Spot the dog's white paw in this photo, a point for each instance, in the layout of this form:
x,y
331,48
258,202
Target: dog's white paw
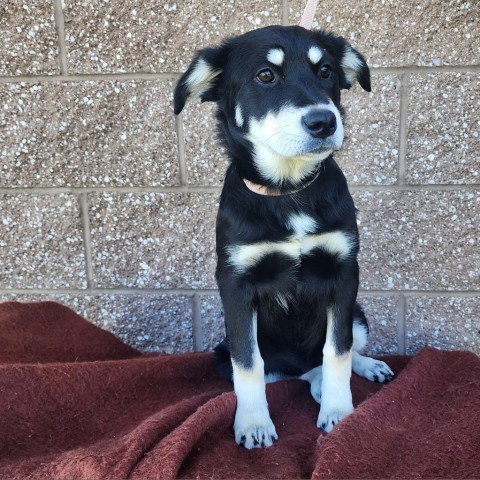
x,y
327,420
254,429
329,417
371,369
336,404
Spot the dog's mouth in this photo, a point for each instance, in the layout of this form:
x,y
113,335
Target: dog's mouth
x,y
321,149
324,149
312,148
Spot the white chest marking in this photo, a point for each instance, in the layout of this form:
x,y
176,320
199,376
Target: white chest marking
x,y
337,243
243,257
301,224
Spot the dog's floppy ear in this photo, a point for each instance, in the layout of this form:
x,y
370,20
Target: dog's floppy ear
x,y
201,80
355,68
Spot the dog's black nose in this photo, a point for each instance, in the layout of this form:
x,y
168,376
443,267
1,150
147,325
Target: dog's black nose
x,y
320,123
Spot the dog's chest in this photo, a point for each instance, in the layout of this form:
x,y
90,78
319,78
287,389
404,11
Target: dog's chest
x,y
303,241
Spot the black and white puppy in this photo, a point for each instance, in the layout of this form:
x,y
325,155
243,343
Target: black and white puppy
x,y
287,237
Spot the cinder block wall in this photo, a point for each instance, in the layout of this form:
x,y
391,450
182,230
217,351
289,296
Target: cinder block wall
x,y
107,202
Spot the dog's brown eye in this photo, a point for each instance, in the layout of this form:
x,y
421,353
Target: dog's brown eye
x,y
325,71
266,76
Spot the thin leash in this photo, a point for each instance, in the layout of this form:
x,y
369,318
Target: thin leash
x,y
307,18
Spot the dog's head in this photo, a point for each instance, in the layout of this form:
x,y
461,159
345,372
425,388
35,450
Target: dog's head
x,y
278,93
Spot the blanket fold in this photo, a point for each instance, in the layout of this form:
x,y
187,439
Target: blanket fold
x,y
77,403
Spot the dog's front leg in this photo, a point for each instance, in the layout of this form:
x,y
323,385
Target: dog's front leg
x,y
336,401
253,426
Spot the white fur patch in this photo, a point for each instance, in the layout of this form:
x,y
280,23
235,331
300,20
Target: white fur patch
x,y
243,257
200,78
276,56
276,167
301,224
336,373
351,65
336,243
314,55
283,150
239,120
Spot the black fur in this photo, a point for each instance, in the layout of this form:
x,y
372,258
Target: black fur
x,y
290,339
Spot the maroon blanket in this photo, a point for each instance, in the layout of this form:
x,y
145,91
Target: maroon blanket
x,y
75,402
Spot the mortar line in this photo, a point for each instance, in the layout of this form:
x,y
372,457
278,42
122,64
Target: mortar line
x,y
402,133
60,27
183,172
425,69
422,293
89,77
214,291
198,342
217,189
133,291
174,76
401,329
113,189
87,239
417,188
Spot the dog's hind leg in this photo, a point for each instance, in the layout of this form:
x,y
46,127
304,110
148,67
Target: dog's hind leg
x,y
369,368
314,378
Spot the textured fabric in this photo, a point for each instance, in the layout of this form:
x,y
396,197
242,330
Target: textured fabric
x,y
76,402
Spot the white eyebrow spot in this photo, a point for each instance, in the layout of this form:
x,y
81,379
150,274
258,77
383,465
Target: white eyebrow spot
x,y
314,55
276,56
239,116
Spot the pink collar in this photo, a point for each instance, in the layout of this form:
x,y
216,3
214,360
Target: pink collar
x,y
272,192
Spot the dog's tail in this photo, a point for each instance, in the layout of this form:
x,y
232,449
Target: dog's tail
x,y
222,359
359,316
